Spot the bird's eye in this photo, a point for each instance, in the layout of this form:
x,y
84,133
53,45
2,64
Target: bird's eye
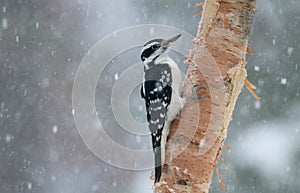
x,y
154,47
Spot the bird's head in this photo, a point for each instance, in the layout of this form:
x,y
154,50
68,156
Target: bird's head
x,y
155,48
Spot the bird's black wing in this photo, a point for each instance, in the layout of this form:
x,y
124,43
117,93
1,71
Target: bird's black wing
x,y
157,93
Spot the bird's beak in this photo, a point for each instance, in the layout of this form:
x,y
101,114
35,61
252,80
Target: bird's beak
x,y
167,43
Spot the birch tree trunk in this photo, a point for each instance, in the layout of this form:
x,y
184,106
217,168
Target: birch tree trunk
x,y
217,69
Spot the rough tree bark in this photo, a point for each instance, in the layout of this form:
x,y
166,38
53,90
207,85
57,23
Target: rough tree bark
x,y
217,63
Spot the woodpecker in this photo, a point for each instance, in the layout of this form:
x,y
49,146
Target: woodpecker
x,y
161,91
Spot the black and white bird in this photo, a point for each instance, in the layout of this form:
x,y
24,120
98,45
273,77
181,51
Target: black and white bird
x,y
161,91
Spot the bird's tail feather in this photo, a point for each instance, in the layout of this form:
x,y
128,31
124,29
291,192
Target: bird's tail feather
x,y
158,168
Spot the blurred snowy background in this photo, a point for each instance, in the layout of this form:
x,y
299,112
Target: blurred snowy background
x,y
41,46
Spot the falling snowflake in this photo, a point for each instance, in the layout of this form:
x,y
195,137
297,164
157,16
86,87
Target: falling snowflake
x,y
29,186
8,138
116,77
283,81
290,51
55,129
256,68
4,23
